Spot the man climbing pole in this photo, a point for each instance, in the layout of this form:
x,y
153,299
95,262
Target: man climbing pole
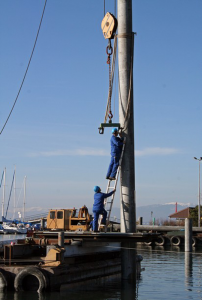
x,y
98,206
116,147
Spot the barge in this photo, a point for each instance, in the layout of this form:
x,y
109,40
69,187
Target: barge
x,y
49,260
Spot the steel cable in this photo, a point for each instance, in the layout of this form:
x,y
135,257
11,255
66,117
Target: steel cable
x,y
26,69
111,80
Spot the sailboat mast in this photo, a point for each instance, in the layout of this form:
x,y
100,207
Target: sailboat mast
x,y
4,192
14,200
24,198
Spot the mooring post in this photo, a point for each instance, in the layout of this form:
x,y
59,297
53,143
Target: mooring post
x,y
140,220
188,235
42,223
61,239
126,118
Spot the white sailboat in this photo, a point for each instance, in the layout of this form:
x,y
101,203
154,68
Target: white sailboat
x,y
13,226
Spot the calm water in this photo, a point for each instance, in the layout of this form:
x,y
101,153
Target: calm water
x,y
169,273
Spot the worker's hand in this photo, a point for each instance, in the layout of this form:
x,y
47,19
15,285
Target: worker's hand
x,y
124,142
114,190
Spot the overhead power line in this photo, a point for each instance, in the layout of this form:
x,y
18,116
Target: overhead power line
x,y
26,69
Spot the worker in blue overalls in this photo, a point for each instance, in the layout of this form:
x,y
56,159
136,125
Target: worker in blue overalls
x,y
98,207
116,147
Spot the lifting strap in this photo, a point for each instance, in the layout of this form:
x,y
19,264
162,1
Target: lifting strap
x,y
108,203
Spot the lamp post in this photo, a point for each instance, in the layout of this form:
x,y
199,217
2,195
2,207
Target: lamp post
x,y
199,201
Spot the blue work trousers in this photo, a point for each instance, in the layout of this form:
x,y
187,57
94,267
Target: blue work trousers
x,y
96,217
113,166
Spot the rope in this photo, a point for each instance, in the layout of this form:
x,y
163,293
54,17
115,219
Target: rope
x,y
127,35
114,112
26,69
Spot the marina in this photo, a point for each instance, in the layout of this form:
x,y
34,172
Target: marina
x,y
76,251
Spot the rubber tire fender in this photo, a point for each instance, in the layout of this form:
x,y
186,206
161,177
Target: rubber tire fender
x,y
148,243
194,241
31,271
160,241
4,279
178,240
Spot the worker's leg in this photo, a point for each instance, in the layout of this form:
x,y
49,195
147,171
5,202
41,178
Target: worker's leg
x,y
115,166
104,213
95,221
110,167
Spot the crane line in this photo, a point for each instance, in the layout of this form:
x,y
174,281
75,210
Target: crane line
x,y
26,70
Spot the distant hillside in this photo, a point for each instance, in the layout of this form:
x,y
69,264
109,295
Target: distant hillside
x,y
159,211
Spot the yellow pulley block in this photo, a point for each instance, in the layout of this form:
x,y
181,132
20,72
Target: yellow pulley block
x,y
109,25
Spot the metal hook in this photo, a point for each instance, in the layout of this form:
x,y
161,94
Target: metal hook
x,y
101,130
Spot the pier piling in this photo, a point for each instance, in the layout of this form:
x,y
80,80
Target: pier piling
x,y
126,119
188,235
61,239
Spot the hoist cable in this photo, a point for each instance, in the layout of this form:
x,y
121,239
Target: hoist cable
x,y
115,62
112,78
26,69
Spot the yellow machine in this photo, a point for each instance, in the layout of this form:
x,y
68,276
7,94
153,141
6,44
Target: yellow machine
x,y
69,219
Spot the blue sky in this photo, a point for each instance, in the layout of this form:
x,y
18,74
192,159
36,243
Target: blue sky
x,y
52,135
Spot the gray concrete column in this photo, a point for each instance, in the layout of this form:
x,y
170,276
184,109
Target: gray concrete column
x,y
188,235
127,175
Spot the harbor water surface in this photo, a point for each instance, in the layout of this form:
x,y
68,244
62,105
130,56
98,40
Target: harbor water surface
x,y
167,273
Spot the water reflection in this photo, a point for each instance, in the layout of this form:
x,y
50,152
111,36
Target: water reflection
x,y
102,288
170,273
188,271
128,290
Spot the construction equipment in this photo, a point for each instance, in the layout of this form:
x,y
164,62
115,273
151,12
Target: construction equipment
x,y
108,203
69,219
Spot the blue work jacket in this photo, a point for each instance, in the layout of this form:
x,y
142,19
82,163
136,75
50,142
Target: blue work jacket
x,y
116,145
99,200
